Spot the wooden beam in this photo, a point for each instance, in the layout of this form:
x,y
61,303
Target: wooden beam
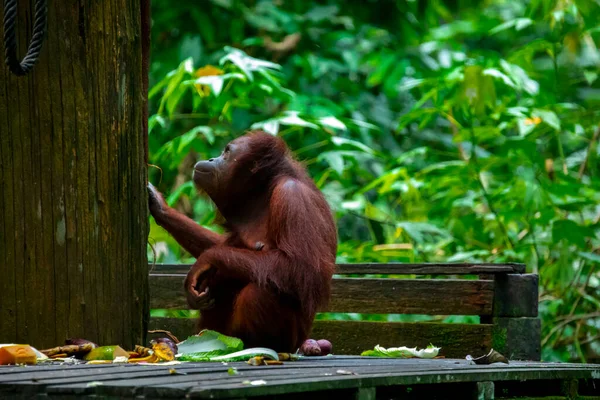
x,y
354,337
370,296
389,268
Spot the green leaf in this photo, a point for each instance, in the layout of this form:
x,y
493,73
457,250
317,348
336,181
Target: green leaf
x,y
481,133
385,179
590,76
270,126
456,164
214,81
158,87
245,355
173,198
549,117
155,119
246,63
176,149
174,99
499,75
518,24
208,344
175,80
520,77
410,83
339,141
421,231
381,70
525,126
292,118
206,131
334,159
571,232
593,257
333,122
320,13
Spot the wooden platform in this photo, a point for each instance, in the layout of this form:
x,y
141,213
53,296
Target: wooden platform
x,y
315,378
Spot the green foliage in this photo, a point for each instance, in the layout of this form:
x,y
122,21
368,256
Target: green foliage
x,y
439,131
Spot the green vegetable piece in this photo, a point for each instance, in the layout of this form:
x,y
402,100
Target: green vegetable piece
x,y
106,353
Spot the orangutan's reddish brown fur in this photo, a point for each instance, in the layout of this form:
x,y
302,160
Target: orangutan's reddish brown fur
x,y
263,281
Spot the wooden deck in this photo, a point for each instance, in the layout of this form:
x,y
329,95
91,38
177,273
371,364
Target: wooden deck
x,y
319,377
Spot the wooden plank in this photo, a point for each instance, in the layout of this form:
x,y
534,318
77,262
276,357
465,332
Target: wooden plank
x,y
168,385
127,378
412,296
394,296
389,268
124,372
354,337
13,372
158,381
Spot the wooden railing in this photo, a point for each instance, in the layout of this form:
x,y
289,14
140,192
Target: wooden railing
x,y
503,296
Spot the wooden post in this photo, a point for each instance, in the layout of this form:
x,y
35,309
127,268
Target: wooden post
x,y
73,201
517,327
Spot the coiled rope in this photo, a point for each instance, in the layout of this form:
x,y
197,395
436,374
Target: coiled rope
x,y
17,67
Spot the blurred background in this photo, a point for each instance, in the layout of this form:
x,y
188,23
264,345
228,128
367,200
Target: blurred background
x,y
439,131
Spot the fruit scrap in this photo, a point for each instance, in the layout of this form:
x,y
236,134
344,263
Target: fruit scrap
x,y
325,346
287,357
163,349
312,347
152,358
17,354
140,351
69,350
260,360
106,353
490,358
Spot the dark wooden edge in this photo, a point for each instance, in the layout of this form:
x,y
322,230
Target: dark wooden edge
x,y
518,338
388,268
516,295
331,384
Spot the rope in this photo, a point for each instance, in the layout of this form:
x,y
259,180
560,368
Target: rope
x,y
10,38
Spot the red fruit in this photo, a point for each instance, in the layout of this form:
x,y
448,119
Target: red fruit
x,y
325,346
310,347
